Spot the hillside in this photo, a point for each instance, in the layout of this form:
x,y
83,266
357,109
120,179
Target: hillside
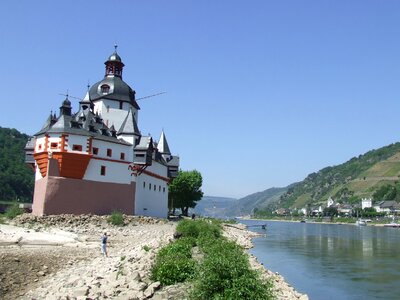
x,y
219,207
363,176
16,179
215,207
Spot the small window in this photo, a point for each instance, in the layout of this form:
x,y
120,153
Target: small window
x,y
149,186
109,152
105,89
77,147
103,171
155,187
144,184
40,147
95,150
159,188
122,156
139,155
54,145
121,104
108,108
163,189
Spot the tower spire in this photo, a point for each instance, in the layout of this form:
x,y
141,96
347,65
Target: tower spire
x,y
114,64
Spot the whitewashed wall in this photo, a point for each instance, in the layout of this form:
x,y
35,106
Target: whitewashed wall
x,y
150,201
116,169
109,111
76,140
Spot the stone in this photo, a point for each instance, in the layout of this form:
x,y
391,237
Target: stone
x,y
151,289
83,291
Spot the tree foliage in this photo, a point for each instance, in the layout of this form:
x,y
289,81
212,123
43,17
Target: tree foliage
x,y
16,179
387,192
185,191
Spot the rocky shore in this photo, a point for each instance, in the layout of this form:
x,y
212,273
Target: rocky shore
x,y
59,257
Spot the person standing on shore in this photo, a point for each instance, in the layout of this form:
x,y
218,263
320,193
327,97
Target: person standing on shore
x,y
104,244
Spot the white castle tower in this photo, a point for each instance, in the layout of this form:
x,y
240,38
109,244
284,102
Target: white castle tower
x,y
96,160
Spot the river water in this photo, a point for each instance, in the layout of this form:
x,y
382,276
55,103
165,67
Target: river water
x,y
328,261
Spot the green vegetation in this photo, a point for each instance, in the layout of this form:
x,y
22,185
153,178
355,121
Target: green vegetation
x,y
185,191
116,218
360,177
221,271
16,179
174,263
13,210
388,192
146,248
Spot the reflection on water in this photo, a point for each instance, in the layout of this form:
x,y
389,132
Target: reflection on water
x,y
333,261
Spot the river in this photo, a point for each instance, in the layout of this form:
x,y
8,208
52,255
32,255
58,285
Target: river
x,y
329,261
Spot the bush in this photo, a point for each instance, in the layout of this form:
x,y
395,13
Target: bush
x,y
13,210
223,272
116,218
174,263
226,274
193,228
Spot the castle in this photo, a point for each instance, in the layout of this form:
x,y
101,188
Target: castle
x,y
96,160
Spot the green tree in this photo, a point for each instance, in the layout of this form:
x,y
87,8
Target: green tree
x,y
185,191
16,179
330,211
385,192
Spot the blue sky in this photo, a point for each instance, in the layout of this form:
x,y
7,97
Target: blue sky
x,y
259,93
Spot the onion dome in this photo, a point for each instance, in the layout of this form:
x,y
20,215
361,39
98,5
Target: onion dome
x,y
112,86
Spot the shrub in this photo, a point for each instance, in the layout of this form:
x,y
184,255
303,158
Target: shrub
x,y
224,271
174,263
193,228
226,274
116,218
146,248
13,210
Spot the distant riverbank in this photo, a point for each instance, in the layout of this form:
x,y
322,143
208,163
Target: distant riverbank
x,y
311,221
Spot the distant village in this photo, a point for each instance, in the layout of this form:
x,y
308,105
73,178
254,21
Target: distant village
x,y
367,205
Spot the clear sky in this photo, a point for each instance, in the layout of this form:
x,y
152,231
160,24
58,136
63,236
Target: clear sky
x,y
259,93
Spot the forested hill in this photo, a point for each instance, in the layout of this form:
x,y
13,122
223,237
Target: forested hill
x,y
16,179
375,173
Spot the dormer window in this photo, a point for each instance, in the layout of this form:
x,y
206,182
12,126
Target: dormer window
x,y
105,89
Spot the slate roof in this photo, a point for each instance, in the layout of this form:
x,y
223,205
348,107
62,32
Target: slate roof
x,y
162,145
84,122
145,142
129,125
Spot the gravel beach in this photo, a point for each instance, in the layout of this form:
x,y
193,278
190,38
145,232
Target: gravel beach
x,y
59,257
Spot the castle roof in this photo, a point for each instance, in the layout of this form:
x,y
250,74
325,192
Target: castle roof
x,y
84,122
112,86
129,125
162,145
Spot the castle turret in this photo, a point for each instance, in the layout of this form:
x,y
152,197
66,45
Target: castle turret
x,y
112,97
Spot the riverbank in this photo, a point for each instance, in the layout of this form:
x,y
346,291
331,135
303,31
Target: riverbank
x,y
313,222
243,237
56,257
